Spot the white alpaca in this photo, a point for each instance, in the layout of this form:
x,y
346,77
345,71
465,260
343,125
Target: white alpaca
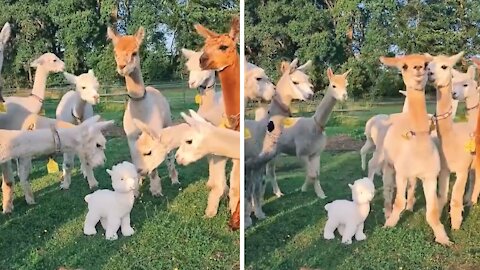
x,y
74,107
306,138
112,208
84,138
203,138
257,84
348,217
4,36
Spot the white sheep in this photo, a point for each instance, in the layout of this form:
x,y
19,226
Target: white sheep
x,y
112,208
348,217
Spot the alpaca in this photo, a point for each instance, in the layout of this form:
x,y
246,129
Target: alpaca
x,y
476,188
306,138
4,36
452,138
74,107
348,217
203,138
257,84
112,208
85,138
145,104
408,151
220,53
260,145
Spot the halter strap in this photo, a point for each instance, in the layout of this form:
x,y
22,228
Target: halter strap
x,y
36,97
56,139
443,116
138,98
471,108
203,87
282,106
78,119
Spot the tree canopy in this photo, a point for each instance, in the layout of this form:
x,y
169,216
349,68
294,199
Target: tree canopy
x,y
76,32
353,34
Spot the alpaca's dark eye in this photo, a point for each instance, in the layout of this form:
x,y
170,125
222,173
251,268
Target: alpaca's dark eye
x,y
444,67
259,79
189,141
294,82
134,54
223,47
148,154
334,86
54,60
426,65
83,87
121,179
465,85
405,67
99,145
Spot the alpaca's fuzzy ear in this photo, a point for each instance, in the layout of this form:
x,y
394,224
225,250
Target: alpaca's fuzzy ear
x,y
293,64
455,58
37,62
197,117
305,66
205,32
285,67
112,34
188,119
235,29
90,71
187,53
392,61
140,35
350,186
109,172
70,77
346,73
403,92
5,33
145,129
329,73
103,125
471,72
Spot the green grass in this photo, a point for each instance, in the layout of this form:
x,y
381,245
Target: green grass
x,y
171,232
291,237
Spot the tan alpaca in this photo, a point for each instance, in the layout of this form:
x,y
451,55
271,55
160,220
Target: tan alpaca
x,y
145,104
408,151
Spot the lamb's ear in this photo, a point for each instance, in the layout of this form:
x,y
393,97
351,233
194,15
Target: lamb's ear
x,y
5,33
330,73
109,172
471,72
140,35
350,186
305,66
455,58
205,32
112,34
70,77
90,71
235,29
187,53
145,129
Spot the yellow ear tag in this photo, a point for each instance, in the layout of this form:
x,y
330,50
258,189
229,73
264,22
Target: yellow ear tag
x,y
198,99
470,146
3,108
407,135
246,133
289,122
52,166
224,123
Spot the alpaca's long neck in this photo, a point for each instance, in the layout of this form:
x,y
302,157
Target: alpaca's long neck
x,y
40,82
405,105
208,96
280,104
444,110
471,103
324,110
79,107
230,80
417,112
17,144
134,82
224,142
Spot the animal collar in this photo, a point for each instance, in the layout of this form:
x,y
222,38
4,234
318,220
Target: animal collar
x,y
282,105
138,98
234,121
37,97
203,87
321,128
78,119
443,116
56,139
471,108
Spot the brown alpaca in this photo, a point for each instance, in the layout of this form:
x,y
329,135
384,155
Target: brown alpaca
x,y
220,53
476,187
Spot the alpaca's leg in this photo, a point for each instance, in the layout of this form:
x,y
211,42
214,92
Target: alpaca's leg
x,y
314,171
155,184
258,191
400,201
366,148
456,203
412,184
127,230
388,178
113,223
24,169
348,233
469,189
433,211
91,221
341,229
359,234
234,192
211,170
172,171
443,186
308,180
373,165
87,172
7,186
103,221
330,226
218,182
272,177
476,188
68,159
247,200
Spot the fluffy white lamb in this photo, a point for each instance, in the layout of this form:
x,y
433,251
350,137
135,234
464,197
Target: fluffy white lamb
x,y
112,208
348,216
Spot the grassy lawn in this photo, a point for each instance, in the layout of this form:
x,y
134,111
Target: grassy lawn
x,y
171,232
291,237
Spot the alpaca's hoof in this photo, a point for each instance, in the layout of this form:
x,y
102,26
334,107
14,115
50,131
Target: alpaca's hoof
x,y
391,222
156,193
409,207
279,194
93,185
260,215
444,240
322,196
112,237
456,223
347,241
210,213
89,231
329,236
8,209
64,186
128,231
30,200
175,182
304,188
360,237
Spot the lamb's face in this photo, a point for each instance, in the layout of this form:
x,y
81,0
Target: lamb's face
x,y
124,177
363,191
49,62
257,83
190,149
151,152
338,85
197,76
440,69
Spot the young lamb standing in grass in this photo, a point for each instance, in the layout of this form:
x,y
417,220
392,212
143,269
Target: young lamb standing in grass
x,y
75,107
408,150
112,208
145,104
306,138
348,217
84,139
4,36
